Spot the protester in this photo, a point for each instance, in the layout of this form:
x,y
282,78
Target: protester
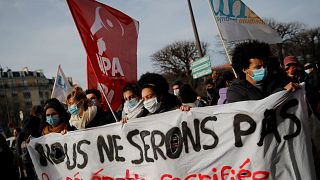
x,y
313,87
215,75
30,129
212,92
55,118
176,88
7,167
223,82
154,92
94,95
248,60
291,66
133,103
188,96
83,113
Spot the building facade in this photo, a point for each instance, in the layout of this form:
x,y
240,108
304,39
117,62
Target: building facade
x,y
19,91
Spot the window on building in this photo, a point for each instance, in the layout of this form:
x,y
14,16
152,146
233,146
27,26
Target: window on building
x,y
41,94
28,105
2,93
26,95
14,93
47,95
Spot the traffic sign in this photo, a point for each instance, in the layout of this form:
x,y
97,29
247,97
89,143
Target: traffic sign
x,y
201,67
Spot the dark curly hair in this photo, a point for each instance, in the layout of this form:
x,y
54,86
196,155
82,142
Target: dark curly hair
x,y
187,94
161,84
245,51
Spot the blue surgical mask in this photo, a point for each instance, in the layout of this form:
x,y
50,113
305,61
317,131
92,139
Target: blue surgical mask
x,y
73,109
53,120
94,102
258,74
131,103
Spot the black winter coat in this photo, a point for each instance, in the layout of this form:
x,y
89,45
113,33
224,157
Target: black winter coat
x,y
101,118
242,90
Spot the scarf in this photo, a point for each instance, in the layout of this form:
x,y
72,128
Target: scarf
x,y
87,116
54,129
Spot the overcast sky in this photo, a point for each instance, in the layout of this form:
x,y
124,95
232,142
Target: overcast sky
x,y
41,34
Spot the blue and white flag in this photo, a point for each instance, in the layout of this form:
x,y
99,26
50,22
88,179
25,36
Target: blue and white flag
x,y
61,86
237,22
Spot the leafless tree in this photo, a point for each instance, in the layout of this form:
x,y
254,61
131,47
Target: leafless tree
x,y
174,59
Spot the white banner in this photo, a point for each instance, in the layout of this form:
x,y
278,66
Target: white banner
x,y
265,139
61,86
236,22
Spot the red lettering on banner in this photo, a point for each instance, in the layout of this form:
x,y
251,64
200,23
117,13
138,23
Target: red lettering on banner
x,y
190,176
226,172
165,175
74,177
264,174
45,175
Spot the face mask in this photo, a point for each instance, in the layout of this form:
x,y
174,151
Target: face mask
x,y
210,90
52,120
131,103
94,102
152,105
176,92
74,110
258,74
307,71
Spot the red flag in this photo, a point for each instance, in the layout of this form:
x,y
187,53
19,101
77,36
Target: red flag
x,y
110,39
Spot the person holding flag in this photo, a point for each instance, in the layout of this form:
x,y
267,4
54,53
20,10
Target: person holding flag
x,y
83,113
94,95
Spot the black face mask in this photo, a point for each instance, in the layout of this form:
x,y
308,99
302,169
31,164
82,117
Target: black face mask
x,y
210,90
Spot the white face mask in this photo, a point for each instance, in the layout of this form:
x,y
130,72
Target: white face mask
x,y
307,71
176,92
152,105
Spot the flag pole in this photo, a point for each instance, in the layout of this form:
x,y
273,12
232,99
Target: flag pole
x,y
103,93
195,31
224,46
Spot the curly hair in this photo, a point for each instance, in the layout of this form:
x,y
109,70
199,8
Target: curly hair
x,y
245,51
187,94
80,96
161,84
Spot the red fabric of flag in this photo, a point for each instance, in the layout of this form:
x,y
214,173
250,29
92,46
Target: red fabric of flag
x,y
110,39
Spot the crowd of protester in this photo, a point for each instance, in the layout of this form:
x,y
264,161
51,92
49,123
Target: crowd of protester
x,y
258,73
